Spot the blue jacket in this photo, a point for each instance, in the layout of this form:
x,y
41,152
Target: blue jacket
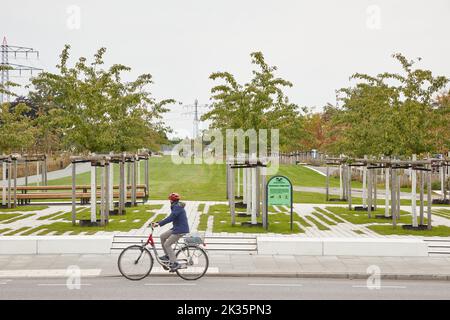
x,y
178,218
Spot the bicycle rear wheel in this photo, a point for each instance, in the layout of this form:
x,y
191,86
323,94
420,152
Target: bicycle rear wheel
x,y
135,262
194,262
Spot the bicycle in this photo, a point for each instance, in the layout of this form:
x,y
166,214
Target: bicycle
x,y
136,261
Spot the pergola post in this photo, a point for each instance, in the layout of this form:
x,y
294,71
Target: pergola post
x,y
386,195
349,188
429,199
398,196
341,186
258,190
227,176
110,183
133,182
26,172
42,172
249,191
126,167
264,200
4,183
254,198
374,187
422,186
122,186
364,191
393,200
244,185
9,182
102,193
37,173
74,207
444,179
231,199
147,177
138,164
93,193
369,192
327,184
238,185
45,170
414,193
128,175
15,183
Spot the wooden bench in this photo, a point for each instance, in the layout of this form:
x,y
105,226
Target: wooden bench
x,y
27,193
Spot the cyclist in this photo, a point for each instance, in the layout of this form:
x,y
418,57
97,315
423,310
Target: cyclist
x,y
180,228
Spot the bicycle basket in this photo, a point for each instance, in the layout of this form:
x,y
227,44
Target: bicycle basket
x,y
194,239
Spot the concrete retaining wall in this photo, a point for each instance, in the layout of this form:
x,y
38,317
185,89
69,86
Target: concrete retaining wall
x,y
343,246
56,245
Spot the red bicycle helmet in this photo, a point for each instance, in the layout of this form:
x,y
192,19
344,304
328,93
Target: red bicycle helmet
x,y
174,197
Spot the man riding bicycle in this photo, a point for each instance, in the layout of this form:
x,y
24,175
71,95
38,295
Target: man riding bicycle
x,y
180,228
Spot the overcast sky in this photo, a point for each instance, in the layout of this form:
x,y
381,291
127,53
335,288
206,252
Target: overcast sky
x,y
316,44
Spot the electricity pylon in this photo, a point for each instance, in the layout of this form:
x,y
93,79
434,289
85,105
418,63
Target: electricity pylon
x,y
196,113
13,52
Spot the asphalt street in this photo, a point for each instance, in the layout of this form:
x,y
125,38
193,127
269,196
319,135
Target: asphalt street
x,y
224,288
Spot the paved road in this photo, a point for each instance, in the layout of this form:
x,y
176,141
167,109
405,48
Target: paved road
x,y
220,288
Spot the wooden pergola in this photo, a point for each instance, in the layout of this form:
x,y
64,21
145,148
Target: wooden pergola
x,y
421,172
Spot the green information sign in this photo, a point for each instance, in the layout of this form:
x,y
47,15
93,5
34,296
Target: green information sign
x,y
279,193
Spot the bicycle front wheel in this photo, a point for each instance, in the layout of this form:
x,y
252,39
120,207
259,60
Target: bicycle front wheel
x,y
194,262
135,262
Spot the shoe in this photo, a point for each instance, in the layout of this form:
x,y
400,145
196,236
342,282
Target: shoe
x,y
164,258
174,266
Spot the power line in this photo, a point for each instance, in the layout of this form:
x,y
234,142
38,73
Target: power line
x,y
16,53
196,113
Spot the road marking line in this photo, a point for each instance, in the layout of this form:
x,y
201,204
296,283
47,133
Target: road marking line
x,y
381,287
46,273
62,284
170,284
276,284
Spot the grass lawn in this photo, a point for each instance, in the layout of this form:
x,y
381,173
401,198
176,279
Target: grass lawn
x,y
329,215
7,216
3,230
24,208
437,231
14,232
131,220
20,217
360,217
50,216
208,182
316,222
278,222
443,213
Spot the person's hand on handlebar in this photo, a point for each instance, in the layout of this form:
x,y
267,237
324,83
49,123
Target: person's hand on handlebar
x,y
154,224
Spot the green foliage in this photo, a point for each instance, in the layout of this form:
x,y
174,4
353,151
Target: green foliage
x,y
16,130
390,114
258,104
95,110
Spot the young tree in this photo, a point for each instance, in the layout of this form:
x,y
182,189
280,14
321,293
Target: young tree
x,y
17,133
95,110
390,113
258,104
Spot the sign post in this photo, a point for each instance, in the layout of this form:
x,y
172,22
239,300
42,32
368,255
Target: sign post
x,y
278,193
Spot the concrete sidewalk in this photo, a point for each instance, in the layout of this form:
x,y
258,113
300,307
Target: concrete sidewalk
x,y
239,265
